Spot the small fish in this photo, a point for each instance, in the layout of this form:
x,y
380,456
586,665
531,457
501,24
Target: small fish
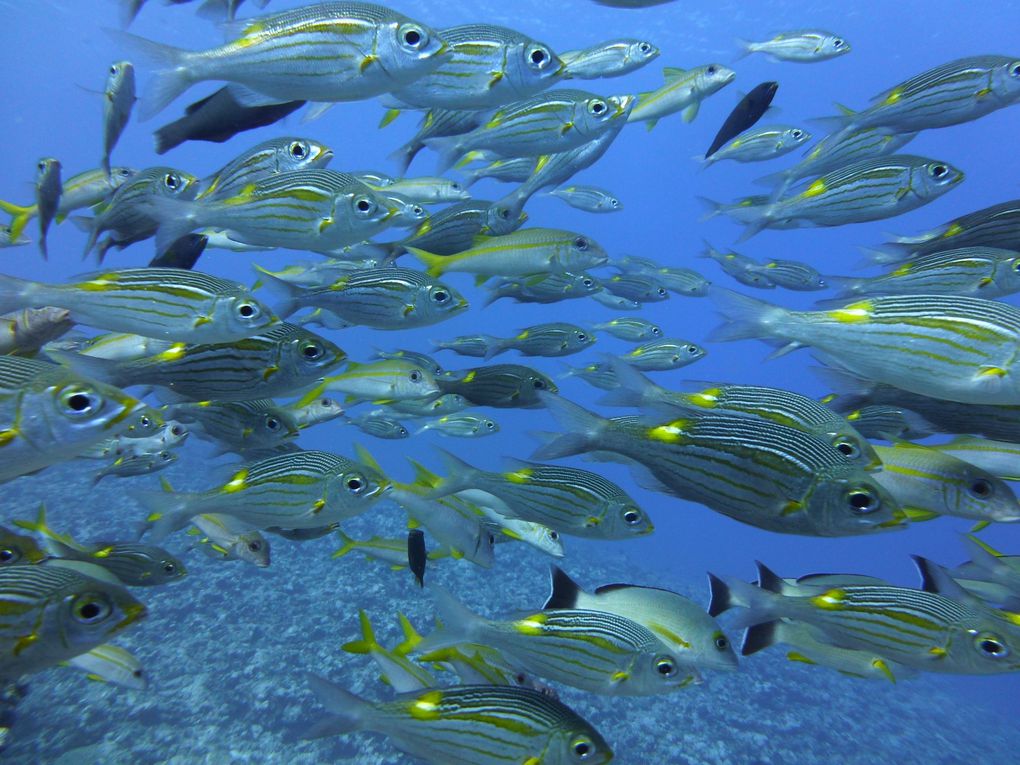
x,y
615,302
548,123
663,355
130,465
134,565
995,226
745,114
525,252
693,636
19,549
269,57
588,198
683,91
382,298
194,307
439,724
57,614
634,328
551,339
599,374
613,58
239,426
545,288
118,101
791,274
25,332
429,190
9,239
272,157
48,189
380,427
501,386
297,490
437,123
228,538
417,555
802,46
506,529
1000,458
591,650
448,403
867,339
461,426
636,287
757,144
218,118
112,664
389,380
457,227
742,268
415,357
681,281
322,409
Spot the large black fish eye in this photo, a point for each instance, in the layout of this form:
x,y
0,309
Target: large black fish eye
x,y
272,423
722,642
645,48
711,69
169,568
7,555
863,502
539,384
538,56
412,37
504,213
797,133
661,292
837,43
166,456
847,449
298,150
80,402
692,349
113,69
440,296
581,243
42,165
598,107
144,421
665,666
582,748
247,310
581,337
656,331
631,517
1015,70
312,351
171,181
591,282
980,488
415,376
90,608
939,171
364,204
178,430
490,425
355,485
992,646
255,546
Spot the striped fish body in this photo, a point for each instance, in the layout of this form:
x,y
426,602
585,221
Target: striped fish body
x,y
501,386
437,123
546,288
450,403
630,328
844,148
384,298
118,100
551,340
567,499
930,480
923,630
985,272
380,427
995,226
525,252
284,359
761,143
317,210
462,426
613,58
226,537
332,51
52,614
388,380
455,228
810,646
277,155
871,189
112,664
297,490
127,213
48,414
955,92
1000,458
663,355
487,67
469,725
549,123
598,374
588,198
170,303
791,274
240,426
741,267
802,46
682,281
130,465
682,90
640,288
954,348
135,565
511,170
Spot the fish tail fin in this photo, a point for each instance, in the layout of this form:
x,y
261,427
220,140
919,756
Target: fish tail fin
x,y
168,512
348,712
634,389
711,208
459,622
405,155
170,136
981,553
459,476
177,218
368,642
745,48
758,603
423,477
347,544
57,545
745,316
411,636
564,590
21,217
171,77
450,151
290,293
583,429
435,265
759,637
214,10
12,292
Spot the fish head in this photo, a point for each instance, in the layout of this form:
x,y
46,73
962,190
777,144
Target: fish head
x,y
711,78
581,252
854,447
795,136
144,423
311,355
164,568
502,219
641,52
530,67
833,45
356,487
846,500
934,178
1006,80
409,380
623,514
407,49
443,300
251,547
93,612
572,740
409,213
119,75
660,671
17,548
238,313
170,183
301,154
71,407
580,339
975,493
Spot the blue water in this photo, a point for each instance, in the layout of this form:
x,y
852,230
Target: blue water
x,y
226,649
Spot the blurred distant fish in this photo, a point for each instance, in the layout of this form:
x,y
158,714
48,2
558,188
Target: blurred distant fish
x,y
791,274
634,329
995,226
804,46
613,58
744,115
417,555
549,339
663,354
637,287
588,198
461,426
118,100
112,664
224,536
501,386
683,91
545,288
380,427
632,3
759,144
48,189
680,281
23,333
218,118
131,465
742,268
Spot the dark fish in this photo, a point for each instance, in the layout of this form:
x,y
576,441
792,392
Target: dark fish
x,y
47,197
632,3
744,115
184,253
417,555
502,386
217,118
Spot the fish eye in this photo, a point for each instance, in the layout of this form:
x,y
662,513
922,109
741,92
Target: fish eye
x,y
597,107
837,43
247,311
581,337
796,132
177,430
539,57
538,384
355,484
312,351
581,243
455,186
582,748
631,517
125,172
172,181
91,608
7,555
364,205
272,423
665,666
415,376
255,546
692,349
614,203
645,48
440,296
403,432
169,568
78,402
661,292
711,69
504,213
113,69
144,421
847,449
990,645
939,171
656,331
418,211
42,164
413,37
554,535
1015,70
298,150
490,425
591,282
166,456
980,488
721,642
863,502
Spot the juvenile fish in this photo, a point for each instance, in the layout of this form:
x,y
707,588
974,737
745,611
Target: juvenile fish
x,y
801,46
118,101
130,465
683,91
742,268
272,157
112,664
546,288
461,426
239,426
680,281
588,198
995,226
502,386
456,228
663,355
48,189
791,274
635,287
226,537
758,144
380,427
630,328
550,340
613,58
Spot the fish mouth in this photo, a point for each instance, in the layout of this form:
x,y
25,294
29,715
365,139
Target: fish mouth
x,y
132,613
623,105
